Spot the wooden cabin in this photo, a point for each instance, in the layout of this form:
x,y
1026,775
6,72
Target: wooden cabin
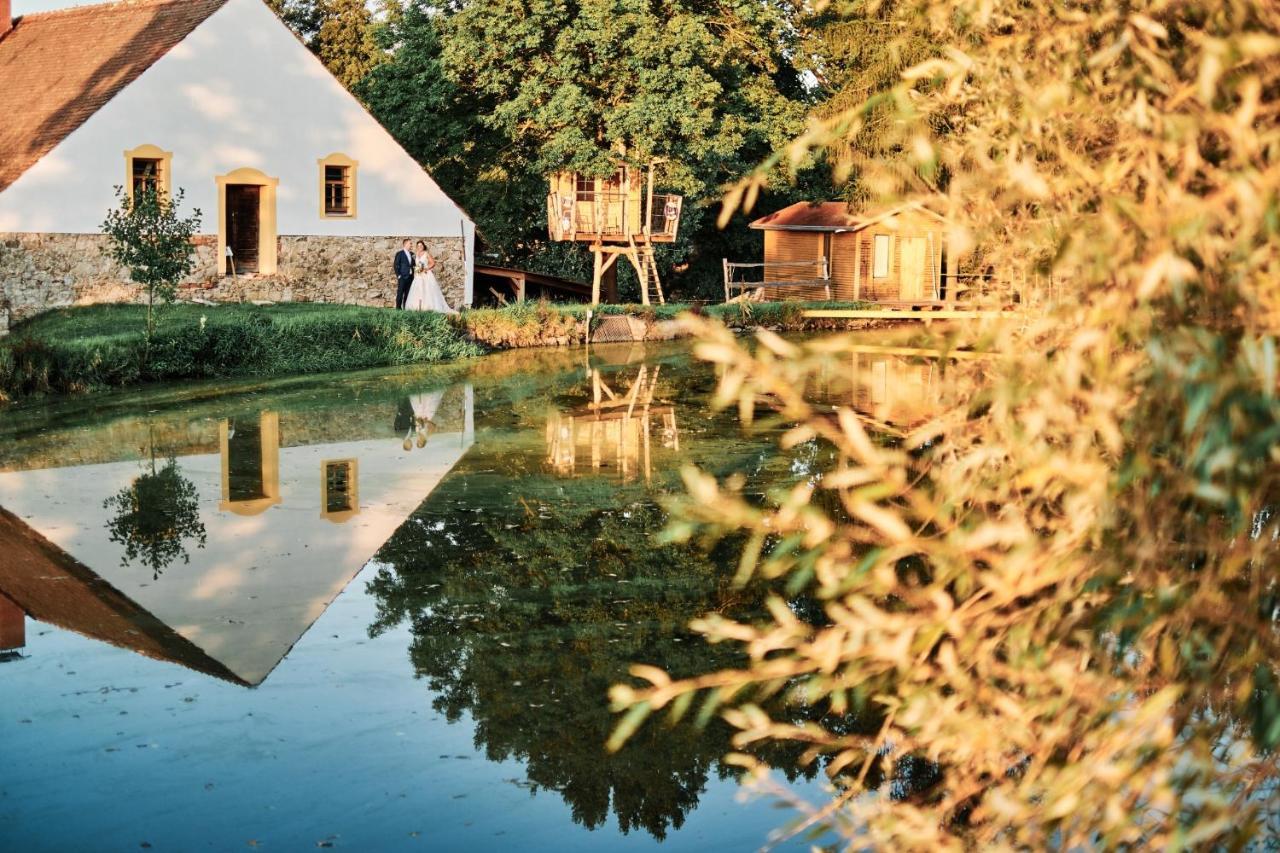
x,y
617,215
824,250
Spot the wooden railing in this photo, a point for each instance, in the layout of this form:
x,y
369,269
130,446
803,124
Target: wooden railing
x,y
611,215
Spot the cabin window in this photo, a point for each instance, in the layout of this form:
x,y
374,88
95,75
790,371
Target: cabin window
x,y
880,265
337,187
147,168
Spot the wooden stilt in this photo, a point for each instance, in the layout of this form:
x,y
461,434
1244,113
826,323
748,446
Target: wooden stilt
x,y
597,252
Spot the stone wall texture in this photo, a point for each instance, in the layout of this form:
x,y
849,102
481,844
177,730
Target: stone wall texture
x,y
43,271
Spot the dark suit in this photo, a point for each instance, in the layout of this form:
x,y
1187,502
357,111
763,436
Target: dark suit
x,y
404,276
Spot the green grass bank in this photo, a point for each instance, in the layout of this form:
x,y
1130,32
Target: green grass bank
x,y
92,348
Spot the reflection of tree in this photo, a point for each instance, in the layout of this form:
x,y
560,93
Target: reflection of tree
x,y
154,516
528,595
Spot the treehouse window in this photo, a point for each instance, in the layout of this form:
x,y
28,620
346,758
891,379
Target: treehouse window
x,y
880,268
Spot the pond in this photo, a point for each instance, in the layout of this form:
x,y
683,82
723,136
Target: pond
x,y
373,611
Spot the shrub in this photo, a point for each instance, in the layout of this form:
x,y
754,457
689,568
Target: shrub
x,y
1059,591
217,342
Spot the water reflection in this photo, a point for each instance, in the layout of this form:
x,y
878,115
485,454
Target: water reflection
x,y
268,529
13,628
154,516
614,432
512,521
893,388
250,450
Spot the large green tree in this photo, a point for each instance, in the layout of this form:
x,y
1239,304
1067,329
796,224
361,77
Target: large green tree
x,y
342,33
492,97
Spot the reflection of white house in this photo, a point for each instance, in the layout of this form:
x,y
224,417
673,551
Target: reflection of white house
x,y
287,528
303,194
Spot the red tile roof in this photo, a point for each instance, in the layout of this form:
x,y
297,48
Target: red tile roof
x,y
59,68
809,214
829,216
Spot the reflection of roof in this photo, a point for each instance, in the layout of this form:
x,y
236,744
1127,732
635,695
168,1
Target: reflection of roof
x,y
59,68
54,587
831,216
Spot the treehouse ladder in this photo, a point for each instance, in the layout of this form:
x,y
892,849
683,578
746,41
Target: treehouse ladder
x,y
646,264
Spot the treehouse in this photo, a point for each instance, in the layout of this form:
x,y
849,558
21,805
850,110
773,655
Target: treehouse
x,y
619,215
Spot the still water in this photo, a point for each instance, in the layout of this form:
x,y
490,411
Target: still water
x,y
374,611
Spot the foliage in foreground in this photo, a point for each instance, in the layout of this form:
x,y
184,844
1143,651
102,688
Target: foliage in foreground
x,y
1061,589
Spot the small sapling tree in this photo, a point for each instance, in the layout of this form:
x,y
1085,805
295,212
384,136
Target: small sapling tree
x,y
147,237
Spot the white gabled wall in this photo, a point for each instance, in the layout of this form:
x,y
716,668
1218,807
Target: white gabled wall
x,y
240,91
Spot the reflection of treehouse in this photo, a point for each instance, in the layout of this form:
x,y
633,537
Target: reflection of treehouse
x,y
250,464
618,215
614,429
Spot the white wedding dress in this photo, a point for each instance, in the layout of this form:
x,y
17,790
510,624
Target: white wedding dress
x,y
425,293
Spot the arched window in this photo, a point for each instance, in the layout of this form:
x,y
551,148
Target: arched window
x,y
337,187
148,167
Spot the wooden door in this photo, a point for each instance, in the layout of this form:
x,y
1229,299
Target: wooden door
x,y
912,267
243,204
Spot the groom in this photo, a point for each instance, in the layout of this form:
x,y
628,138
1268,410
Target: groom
x,y
404,272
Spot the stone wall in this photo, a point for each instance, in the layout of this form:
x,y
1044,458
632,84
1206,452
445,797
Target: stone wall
x,y
43,271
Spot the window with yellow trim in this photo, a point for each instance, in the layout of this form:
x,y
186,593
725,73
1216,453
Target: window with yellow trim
x,y
340,490
147,167
337,187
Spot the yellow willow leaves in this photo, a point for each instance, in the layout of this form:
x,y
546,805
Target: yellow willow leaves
x,y
1057,581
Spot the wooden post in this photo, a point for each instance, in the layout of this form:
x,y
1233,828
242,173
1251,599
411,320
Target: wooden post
x,y
857,266
597,252
952,262
609,283
725,261
520,289
648,215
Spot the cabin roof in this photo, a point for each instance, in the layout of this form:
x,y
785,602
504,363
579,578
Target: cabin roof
x,y
59,68
831,216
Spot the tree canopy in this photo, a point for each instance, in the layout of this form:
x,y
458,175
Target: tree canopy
x,y
492,98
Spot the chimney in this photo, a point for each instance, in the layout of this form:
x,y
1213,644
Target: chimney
x,y
6,16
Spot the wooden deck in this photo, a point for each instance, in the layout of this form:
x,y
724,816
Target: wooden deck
x,y
910,311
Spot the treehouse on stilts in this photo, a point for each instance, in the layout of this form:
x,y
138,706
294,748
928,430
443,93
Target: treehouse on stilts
x,y
619,215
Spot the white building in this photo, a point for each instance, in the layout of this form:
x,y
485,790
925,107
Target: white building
x,y
217,97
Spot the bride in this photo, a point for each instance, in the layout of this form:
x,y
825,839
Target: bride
x,y
425,293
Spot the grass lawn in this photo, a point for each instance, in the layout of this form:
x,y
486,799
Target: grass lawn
x,y
90,348
126,321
